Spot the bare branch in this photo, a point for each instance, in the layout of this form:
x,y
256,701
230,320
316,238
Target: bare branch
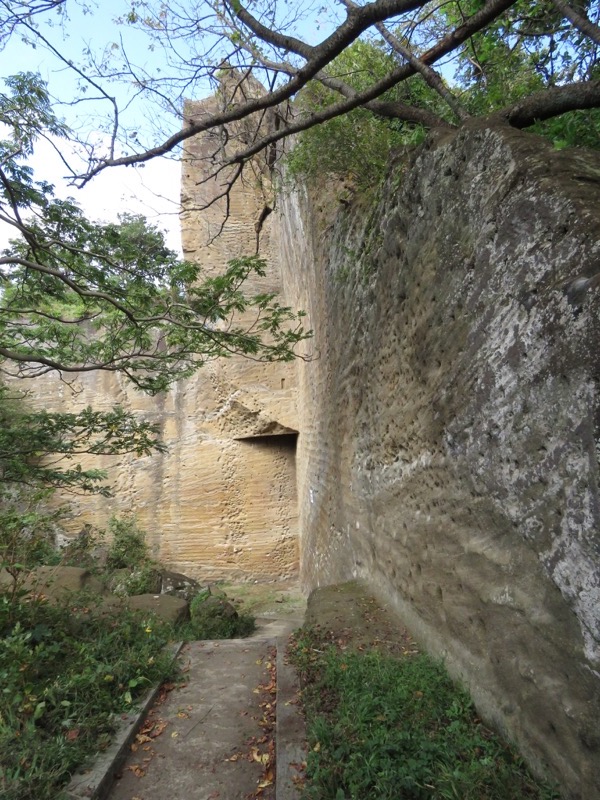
x,y
367,99
357,22
429,75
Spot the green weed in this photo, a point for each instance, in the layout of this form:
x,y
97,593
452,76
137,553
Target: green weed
x,y
67,669
214,618
65,673
128,547
399,730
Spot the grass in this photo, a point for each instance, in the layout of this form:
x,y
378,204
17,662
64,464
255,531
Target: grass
x,y
398,729
261,598
65,674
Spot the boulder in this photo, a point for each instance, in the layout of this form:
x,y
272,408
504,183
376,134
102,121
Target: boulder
x,y
6,579
178,585
56,582
127,582
171,609
212,608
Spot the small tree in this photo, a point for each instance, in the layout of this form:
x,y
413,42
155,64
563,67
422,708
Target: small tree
x,y
78,296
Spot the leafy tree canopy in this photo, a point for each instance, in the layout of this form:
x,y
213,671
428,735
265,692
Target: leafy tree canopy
x,y
77,296
39,449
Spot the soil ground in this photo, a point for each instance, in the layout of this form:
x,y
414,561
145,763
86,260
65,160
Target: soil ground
x,y
282,599
354,619
345,611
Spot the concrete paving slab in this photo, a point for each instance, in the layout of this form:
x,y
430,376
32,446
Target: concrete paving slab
x,y
96,782
290,730
212,718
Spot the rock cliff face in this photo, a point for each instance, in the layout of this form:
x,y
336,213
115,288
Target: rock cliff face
x,y
450,420
221,503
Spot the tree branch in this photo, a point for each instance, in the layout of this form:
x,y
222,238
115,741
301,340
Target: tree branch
x,y
579,20
356,23
550,103
367,99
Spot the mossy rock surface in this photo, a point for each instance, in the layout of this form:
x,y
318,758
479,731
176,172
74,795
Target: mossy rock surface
x,y
179,585
56,582
211,607
171,609
127,582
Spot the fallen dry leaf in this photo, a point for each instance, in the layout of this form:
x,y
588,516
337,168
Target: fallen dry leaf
x,y
137,770
262,758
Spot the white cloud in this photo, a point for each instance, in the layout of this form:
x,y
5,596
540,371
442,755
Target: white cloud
x,y
151,190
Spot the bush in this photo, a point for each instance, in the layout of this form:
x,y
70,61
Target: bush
x,y
128,547
357,145
215,618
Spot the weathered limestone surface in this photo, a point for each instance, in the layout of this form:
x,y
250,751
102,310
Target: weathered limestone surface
x,y
221,503
450,419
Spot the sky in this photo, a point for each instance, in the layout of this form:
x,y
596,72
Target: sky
x,y
152,190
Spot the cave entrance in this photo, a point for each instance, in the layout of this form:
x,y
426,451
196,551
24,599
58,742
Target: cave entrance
x,y
269,499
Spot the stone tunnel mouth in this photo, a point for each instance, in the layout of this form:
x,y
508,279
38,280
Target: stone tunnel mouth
x,y
286,440
278,453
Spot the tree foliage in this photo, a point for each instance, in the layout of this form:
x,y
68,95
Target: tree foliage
x,y
77,295
39,449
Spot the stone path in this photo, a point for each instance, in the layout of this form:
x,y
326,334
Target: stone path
x,y
212,738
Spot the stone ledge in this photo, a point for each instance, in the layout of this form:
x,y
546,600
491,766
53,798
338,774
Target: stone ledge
x,y
290,730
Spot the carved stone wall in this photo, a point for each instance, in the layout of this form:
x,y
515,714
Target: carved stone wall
x,y
449,422
221,503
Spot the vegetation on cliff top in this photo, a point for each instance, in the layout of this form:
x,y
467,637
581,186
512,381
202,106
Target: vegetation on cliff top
x,y
440,63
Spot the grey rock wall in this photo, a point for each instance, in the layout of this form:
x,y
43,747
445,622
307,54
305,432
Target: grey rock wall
x,y
450,420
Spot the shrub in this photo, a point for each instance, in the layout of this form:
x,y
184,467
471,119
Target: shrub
x,y
128,547
64,673
215,618
357,145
